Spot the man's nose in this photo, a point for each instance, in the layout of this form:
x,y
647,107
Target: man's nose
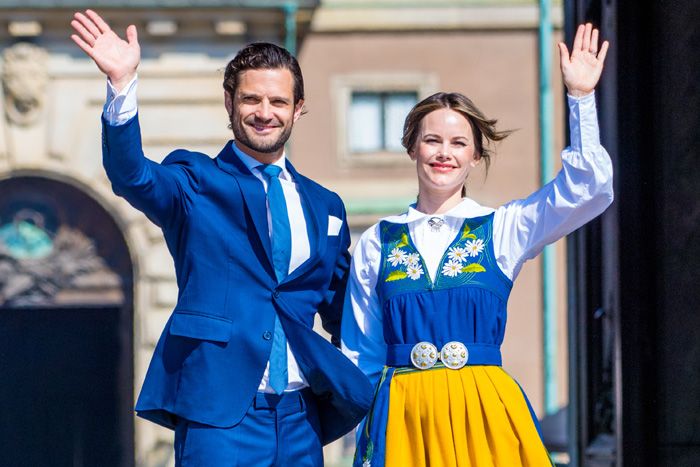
x,y
264,110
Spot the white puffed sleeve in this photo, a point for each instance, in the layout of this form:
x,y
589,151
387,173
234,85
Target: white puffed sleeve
x,y
582,190
361,333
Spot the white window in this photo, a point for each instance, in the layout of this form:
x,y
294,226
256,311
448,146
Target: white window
x,y
370,110
375,120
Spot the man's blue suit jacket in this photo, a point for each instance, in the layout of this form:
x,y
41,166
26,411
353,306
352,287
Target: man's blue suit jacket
x,y
209,361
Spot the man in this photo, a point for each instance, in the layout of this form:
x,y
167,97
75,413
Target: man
x,y
238,373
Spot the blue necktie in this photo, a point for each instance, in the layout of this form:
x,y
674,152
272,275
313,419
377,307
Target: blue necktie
x,y
281,240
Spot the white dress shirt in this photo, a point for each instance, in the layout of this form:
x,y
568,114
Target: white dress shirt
x,y
521,229
122,106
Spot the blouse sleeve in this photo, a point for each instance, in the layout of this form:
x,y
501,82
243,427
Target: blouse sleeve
x,y
581,191
361,333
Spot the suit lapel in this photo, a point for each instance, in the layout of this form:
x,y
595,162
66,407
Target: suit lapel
x,y
253,194
316,224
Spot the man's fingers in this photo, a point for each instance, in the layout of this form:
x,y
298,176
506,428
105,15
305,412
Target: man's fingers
x,y
603,52
87,48
131,35
99,22
87,24
84,33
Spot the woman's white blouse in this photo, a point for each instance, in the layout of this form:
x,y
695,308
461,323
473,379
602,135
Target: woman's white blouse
x,y
521,229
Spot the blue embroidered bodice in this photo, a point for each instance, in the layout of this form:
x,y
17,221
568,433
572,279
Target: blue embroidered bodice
x,y
465,302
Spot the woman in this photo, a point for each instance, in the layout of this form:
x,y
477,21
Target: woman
x,y
426,304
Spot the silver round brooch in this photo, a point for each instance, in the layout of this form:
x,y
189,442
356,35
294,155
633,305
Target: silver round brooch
x,y
454,355
424,355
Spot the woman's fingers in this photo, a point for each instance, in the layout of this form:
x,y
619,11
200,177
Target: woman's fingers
x,y
603,52
593,48
578,39
585,46
563,54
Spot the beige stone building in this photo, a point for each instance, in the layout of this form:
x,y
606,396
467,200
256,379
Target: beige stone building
x,y
90,277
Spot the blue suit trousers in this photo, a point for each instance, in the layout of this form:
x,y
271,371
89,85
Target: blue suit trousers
x,y
277,430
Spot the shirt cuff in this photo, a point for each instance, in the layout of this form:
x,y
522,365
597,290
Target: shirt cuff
x,y
583,122
120,107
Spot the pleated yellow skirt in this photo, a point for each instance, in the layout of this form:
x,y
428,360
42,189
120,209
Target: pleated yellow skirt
x,y
473,417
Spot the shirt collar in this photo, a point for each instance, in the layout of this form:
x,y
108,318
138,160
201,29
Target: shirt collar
x,y
251,163
466,208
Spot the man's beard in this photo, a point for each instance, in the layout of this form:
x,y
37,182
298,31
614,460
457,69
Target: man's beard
x,y
266,147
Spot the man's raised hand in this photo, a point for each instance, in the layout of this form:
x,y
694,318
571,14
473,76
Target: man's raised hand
x,y
581,70
115,57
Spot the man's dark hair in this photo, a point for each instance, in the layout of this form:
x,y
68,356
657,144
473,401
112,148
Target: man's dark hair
x,y
263,56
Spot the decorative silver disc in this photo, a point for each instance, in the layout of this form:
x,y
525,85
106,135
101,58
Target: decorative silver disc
x,y
454,355
424,355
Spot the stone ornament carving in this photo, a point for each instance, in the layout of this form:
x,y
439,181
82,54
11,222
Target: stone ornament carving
x,y
71,273
24,80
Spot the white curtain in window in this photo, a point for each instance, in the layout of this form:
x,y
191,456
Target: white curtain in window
x,y
365,126
397,107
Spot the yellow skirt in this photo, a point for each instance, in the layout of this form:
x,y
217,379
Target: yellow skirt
x,y
473,417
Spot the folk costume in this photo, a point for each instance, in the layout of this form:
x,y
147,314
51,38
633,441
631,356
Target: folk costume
x,y
425,316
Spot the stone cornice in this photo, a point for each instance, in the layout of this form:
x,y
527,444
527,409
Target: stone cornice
x,y
155,4
382,16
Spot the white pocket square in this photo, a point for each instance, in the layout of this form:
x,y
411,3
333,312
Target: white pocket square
x,y
334,224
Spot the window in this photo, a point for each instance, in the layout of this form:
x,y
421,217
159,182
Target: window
x,y
375,120
370,109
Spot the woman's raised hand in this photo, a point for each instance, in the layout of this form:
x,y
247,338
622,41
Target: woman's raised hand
x,y
116,58
581,70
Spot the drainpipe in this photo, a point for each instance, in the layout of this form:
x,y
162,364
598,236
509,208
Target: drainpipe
x,y
290,26
549,295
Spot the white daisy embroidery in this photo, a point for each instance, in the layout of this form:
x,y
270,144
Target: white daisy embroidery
x,y
397,256
366,463
411,259
452,268
414,271
474,247
458,254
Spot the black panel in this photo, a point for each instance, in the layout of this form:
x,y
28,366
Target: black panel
x,y
60,392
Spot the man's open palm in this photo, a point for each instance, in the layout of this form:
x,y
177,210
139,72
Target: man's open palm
x,y
115,57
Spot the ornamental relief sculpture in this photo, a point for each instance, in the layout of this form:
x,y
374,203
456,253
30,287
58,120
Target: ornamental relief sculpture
x,y
24,80
38,268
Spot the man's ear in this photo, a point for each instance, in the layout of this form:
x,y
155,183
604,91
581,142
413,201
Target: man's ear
x,y
228,102
298,109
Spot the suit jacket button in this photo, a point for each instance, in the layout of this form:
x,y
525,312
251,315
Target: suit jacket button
x,y
276,294
267,335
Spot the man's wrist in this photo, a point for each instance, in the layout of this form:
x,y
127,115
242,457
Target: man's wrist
x,y
121,82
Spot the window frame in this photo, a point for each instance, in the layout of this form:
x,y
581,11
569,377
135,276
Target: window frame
x,y
343,86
